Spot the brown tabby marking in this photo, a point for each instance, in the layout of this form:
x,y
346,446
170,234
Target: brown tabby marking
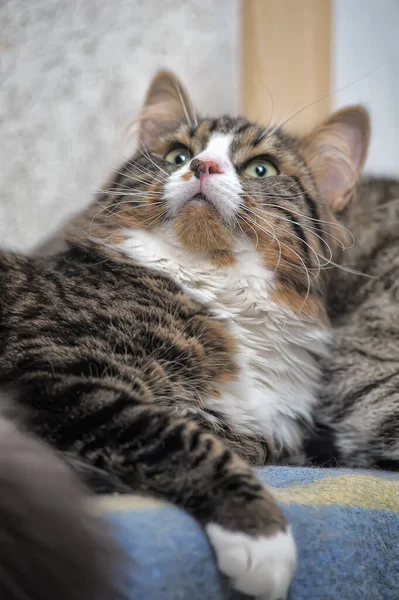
x,y
117,364
358,414
200,230
187,176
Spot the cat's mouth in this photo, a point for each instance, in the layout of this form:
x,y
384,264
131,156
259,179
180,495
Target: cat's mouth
x,y
201,199
200,203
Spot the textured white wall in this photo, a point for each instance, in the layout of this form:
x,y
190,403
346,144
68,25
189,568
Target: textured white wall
x,y
73,75
366,36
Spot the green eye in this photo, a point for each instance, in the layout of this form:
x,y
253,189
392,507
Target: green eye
x,y
178,156
260,168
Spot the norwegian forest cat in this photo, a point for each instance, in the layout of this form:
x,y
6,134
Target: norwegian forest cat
x,y
178,339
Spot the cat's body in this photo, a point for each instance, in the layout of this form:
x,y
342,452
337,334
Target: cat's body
x,y
357,415
180,335
277,382
112,361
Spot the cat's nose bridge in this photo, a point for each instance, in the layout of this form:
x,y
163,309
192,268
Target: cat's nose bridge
x,y
204,166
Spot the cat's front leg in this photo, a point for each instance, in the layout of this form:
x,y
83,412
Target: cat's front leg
x,y
178,460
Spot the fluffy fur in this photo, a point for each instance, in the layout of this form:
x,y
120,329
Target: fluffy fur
x,y
177,339
51,547
278,379
357,416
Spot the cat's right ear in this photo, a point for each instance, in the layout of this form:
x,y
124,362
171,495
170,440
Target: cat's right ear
x,y
336,152
166,103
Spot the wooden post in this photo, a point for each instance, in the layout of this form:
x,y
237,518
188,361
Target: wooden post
x,y
286,61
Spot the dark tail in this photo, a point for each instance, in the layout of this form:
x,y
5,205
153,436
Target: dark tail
x,y
50,546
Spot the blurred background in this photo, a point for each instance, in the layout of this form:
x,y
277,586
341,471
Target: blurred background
x,y
74,73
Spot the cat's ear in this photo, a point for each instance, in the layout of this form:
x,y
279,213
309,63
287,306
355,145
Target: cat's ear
x,y
336,151
166,103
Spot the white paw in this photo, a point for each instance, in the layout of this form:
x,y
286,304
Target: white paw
x,y
259,566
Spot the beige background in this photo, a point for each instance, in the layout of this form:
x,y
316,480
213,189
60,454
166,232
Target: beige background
x,y
286,61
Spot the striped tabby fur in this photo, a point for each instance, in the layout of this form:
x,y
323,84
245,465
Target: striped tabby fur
x,y
51,547
358,415
177,339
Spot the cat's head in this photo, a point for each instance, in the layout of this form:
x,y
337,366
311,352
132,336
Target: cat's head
x,y
216,184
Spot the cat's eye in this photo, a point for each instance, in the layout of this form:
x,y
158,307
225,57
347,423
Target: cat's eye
x,y
260,168
178,156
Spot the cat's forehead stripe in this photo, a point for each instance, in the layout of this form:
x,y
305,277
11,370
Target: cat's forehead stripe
x,y
218,147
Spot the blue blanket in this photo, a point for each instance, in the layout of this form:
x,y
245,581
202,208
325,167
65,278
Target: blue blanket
x,y
346,525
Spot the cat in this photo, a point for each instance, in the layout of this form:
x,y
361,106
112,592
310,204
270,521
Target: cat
x,y
177,340
357,418
50,546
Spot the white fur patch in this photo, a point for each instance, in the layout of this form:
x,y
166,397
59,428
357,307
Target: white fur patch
x,y
222,190
279,375
259,566
218,149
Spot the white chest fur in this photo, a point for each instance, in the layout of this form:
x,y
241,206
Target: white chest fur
x,y
279,376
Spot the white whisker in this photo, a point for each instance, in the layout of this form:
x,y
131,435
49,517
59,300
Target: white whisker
x,y
337,225
288,262
253,229
155,220
118,192
146,172
147,155
317,256
272,234
296,112
330,264
186,114
327,261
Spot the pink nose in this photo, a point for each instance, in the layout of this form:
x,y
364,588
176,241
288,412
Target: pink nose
x,y
204,167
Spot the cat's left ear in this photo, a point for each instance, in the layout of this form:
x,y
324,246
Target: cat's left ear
x,y
336,152
166,103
